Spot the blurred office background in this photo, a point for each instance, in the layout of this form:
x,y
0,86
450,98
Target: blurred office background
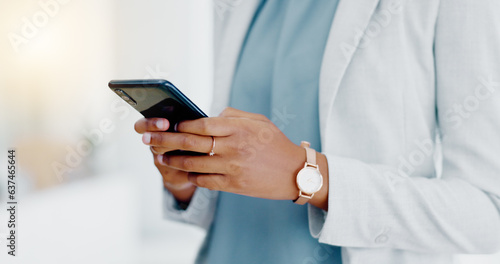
x,y
87,187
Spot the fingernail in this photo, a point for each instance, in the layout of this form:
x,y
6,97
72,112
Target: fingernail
x,y
153,150
160,160
146,138
160,124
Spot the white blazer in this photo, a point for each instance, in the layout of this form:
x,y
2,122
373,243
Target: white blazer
x,y
395,73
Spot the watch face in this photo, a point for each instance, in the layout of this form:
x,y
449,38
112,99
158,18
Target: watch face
x,y
309,180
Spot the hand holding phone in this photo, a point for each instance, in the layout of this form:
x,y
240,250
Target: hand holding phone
x,y
161,99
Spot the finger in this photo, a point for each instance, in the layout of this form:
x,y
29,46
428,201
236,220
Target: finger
x,y
160,150
233,112
151,124
198,164
215,182
155,152
211,126
172,178
167,141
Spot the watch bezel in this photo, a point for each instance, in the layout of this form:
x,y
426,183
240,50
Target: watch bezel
x,y
308,167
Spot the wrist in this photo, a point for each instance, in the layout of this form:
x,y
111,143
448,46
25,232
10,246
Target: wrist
x,y
320,198
297,162
311,182
184,194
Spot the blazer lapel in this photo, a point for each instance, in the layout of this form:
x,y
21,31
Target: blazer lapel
x,y
231,28
350,21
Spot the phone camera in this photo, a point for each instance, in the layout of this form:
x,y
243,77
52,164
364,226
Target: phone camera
x,y
125,97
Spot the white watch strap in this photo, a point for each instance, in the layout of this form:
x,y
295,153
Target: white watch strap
x,y
310,153
311,156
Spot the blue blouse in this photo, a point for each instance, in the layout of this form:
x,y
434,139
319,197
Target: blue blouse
x,y
278,76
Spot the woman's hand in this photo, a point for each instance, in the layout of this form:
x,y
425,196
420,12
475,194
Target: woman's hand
x,y
175,181
252,156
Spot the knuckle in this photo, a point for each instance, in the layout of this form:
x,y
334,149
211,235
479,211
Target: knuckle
x,y
171,176
205,125
167,175
203,182
262,117
188,142
187,163
247,150
231,148
266,135
216,183
174,181
240,183
166,160
247,127
226,111
233,168
157,139
214,186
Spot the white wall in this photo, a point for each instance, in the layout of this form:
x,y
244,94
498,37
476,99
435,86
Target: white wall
x,y
53,98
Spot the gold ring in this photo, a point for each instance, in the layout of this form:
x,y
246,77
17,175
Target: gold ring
x,y
213,147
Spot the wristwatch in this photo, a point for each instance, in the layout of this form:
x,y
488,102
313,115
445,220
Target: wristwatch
x,y
309,179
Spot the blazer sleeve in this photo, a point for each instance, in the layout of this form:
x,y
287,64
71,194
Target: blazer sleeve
x,y
200,211
459,211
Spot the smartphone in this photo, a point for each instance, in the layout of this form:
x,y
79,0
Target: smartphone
x,y
157,98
